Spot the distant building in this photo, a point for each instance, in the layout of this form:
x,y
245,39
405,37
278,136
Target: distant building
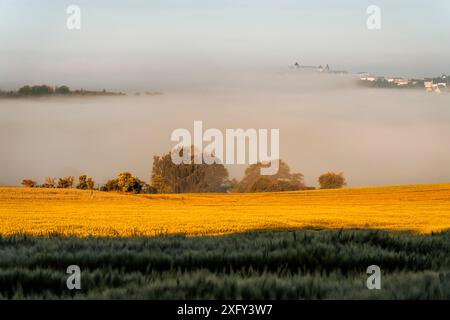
x,y
428,84
401,82
297,65
319,68
363,75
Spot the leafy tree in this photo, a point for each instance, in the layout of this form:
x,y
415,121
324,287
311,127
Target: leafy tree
x,y
265,184
42,90
29,183
85,183
111,185
283,185
283,180
332,180
66,182
262,184
25,90
159,185
129,183
181,178
49,183
62,90
90,183
82,182
229,185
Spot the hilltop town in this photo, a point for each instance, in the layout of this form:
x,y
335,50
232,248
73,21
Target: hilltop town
x,y
437,85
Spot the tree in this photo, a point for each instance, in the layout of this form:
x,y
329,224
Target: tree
x,y
332,180
62,90
181,178
265,184
85,183
90,183
66,182
262,184
25,90
111,185
82,182
229,185
159,185
283,180
42,90
129,183
29,183
49,183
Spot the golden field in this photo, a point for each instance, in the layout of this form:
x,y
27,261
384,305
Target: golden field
x,y
420,208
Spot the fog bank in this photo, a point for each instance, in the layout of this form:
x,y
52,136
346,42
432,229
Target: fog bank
x,y
326,122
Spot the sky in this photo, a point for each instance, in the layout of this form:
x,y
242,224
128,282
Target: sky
x,y
123,44
226,63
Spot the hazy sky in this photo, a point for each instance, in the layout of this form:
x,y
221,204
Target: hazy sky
x,y
225,62
128,44
326,123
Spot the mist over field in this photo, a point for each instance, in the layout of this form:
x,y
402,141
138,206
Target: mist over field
x,y
326,122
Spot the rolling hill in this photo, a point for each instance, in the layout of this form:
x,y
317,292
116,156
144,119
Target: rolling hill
x,y
35,211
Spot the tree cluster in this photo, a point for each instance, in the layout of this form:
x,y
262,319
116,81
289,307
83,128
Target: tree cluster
x,y
46,90
168,177
84,182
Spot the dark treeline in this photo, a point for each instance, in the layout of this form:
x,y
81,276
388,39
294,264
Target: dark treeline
x,y
383,83
46,90
168,177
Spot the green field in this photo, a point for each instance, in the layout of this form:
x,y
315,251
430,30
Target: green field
x,y
300,264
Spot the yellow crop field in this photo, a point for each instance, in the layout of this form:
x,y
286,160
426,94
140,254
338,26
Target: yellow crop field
x,y
420,208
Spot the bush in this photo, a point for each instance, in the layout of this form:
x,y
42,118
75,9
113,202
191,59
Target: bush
x,y
29,183
111,185
62,90
159,186
85,183
129,183
49,183
66,182
283,180
126,182
265,184
169,177
331,180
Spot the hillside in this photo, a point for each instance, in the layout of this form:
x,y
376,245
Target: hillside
x,y
421,208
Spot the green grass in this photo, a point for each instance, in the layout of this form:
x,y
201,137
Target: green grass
x,y
301,264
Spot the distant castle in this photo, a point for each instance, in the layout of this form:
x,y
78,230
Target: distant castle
x,y
320,68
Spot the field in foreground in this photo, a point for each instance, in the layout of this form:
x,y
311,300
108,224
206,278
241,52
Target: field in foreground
x,y
298,264
421,208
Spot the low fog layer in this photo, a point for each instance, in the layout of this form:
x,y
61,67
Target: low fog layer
x,y
326,122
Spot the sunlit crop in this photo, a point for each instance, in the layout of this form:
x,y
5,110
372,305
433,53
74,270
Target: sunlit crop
x,y
33,211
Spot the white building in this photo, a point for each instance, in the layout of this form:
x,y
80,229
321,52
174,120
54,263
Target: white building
x,y
401,82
